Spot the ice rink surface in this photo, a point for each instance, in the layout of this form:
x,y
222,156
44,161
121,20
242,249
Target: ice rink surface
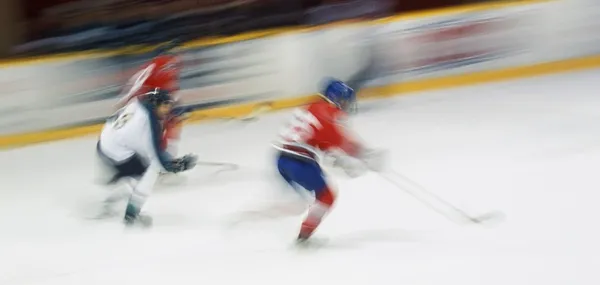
x,y
529,148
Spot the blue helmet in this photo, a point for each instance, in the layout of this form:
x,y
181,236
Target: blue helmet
x,y
340,94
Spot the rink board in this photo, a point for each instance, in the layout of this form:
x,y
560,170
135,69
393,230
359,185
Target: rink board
x,y
493,46
378,92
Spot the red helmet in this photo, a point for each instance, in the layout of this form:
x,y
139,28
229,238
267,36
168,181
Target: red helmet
x,y
165,72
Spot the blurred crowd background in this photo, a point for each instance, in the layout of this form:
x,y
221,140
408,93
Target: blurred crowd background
x,y
36,27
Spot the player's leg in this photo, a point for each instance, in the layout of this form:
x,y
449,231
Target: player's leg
x,y
127,171
139,196
285,166
309,175
284,202
130,171
105,168
133,167
324,200
317,213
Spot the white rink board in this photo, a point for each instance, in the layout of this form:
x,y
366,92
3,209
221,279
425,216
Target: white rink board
x,y
72,93
523,148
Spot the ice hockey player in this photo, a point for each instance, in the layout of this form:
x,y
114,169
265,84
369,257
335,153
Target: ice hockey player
x,y
317,128
129,146
162,73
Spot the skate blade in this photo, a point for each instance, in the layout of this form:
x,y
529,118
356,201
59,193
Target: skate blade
x,y
312,243
140,223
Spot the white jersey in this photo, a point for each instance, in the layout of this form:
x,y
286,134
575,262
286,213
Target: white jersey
x,y
133,130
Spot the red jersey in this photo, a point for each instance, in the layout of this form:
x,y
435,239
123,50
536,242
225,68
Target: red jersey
x,y
162,73
318,127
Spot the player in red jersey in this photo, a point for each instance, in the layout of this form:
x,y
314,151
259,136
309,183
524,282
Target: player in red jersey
x,y
161,73
317,128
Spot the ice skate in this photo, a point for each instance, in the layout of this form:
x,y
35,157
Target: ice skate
x,y
133,218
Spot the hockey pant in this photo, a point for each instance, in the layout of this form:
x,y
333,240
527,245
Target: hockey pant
x,y
310,176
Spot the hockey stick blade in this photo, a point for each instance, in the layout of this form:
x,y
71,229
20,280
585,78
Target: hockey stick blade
x,y
224,166
489,218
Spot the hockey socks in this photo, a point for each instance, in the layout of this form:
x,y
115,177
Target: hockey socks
x,y
316,214
139,196
131,213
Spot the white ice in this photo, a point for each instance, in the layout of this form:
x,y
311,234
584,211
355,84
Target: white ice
x,y
529,148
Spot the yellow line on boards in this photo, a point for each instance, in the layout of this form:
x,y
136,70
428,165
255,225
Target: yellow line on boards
x,y
404,88
492,76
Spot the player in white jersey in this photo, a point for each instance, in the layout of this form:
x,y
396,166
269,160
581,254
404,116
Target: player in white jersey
x,y
130,145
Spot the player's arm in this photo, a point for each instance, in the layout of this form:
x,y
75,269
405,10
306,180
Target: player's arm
x,y
350,144
153,140
152,143
341,136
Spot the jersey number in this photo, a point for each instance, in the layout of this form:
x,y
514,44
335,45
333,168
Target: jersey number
x,y
121,119
301,127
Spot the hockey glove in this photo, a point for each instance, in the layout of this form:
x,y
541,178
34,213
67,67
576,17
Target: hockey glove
x,y
374,159
350,165
185,163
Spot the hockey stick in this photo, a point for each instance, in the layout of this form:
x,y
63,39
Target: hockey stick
x,y
225,166
451,213
174,180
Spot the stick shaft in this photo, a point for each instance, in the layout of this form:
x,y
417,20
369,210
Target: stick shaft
x,y
449,211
